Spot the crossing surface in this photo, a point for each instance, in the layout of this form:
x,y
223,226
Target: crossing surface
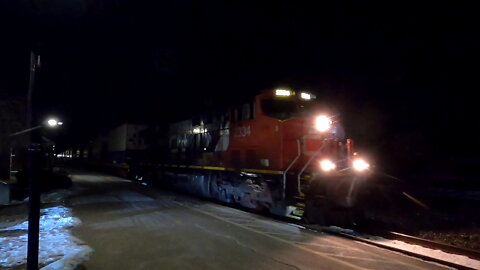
x,y
132,226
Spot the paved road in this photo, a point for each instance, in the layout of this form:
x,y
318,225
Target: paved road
x,y
131,226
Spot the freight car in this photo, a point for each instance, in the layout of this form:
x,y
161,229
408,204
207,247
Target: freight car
x,y
278,152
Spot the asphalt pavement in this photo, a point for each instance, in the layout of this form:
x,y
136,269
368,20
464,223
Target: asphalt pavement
x,y
133,226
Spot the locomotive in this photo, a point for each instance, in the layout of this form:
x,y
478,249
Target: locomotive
x,y
278,152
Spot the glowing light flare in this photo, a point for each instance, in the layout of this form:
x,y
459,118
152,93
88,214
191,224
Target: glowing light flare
x,y
198,130
323,123
306,96
283,92
327,165
52,122
360,165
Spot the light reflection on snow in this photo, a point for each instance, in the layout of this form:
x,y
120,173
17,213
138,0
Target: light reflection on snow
x,y
433,253
58,248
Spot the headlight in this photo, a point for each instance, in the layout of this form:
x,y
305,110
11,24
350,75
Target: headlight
x,y
327,165
360,165
306,96
283,92
323,123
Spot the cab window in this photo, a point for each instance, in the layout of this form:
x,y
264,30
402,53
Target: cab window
x,y
280,109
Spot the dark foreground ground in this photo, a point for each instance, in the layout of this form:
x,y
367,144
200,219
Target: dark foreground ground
x,y
445,211
131,226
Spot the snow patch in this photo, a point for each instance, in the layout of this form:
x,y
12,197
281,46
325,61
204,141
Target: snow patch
x,y
339,229
432,253
58,248
50,219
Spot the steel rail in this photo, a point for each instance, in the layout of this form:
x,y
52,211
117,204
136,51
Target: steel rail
x,y
411,240
473,254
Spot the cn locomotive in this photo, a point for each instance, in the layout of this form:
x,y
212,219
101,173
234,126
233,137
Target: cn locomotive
x,y
278,152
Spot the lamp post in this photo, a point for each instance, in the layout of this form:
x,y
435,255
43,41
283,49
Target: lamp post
x,y
49,123
35,164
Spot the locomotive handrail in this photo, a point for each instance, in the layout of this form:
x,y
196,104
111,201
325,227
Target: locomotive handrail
x,y
289,167
306,165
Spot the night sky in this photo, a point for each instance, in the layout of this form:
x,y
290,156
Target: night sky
x,y
400,74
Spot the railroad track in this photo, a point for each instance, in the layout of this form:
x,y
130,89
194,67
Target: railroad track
x,y
472,254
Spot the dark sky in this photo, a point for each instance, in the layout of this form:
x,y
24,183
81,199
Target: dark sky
x,y
394,70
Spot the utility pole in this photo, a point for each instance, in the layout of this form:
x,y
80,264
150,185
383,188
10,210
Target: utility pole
x,y
34,168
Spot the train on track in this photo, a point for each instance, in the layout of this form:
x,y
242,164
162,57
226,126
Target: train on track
x,y
278,152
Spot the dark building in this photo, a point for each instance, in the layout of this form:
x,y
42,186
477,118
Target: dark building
x,y
12,119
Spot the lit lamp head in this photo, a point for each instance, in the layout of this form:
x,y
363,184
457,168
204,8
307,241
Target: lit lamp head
x,y
323,123
360,165
327,165
54,122
283,93
305,96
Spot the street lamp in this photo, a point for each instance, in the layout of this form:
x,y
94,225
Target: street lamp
x,y
52,123
34,168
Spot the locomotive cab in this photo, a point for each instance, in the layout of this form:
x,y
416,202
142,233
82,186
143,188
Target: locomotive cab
x,y
285,107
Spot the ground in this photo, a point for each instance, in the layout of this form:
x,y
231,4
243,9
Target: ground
x,y
440,212
132,226
119,224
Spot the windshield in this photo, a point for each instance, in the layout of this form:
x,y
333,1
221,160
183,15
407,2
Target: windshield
x,y
283,108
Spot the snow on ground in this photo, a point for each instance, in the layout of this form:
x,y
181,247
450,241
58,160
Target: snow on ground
x,y
58,248
433,253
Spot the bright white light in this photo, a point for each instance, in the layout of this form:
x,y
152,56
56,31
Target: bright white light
x,y
360,165
327,165
59,123
52,122
306,96
196,130
323,123
282,92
